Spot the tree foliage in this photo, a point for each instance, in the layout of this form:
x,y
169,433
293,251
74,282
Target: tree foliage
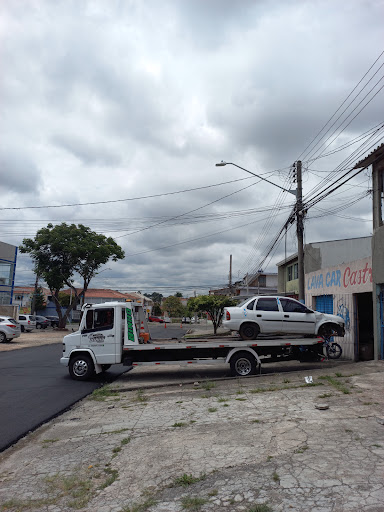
x,y
213,305
173,306
62,252
155,296
40,301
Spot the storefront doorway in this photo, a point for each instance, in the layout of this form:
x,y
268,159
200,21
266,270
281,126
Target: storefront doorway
x,y
364,326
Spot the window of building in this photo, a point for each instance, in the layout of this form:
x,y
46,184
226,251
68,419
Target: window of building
x,y
6,273
262,281
293,272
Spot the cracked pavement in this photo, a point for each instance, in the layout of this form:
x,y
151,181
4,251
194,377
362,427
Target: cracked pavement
x,y
250,444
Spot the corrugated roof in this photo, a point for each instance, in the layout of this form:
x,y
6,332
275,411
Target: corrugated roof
x,y
368,160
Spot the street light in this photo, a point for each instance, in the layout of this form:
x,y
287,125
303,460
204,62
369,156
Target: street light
x,y
222,164
298,193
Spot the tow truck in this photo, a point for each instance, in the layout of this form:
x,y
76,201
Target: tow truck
x,y
117,332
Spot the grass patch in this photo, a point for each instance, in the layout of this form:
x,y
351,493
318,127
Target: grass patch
x,y
255,421
260,507
49,441
140,507
179,424
240,392
214,492
212,409
208,385
17,505
116,431
281,388
336,384
101,394
112,475
221,400
125,441
241,399
140,397
185,480
225,405
275,477
193,503
325,395
76,491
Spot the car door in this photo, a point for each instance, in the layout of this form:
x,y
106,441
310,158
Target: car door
x,y
99,334
268,315
297,318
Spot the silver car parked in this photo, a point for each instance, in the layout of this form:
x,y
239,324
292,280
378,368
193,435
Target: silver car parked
x,y
27,322
9,329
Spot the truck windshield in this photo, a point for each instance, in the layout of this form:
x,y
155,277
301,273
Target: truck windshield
x,y
97,319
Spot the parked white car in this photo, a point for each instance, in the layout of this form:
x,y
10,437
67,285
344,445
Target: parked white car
x,y
9,329
279,315
27,322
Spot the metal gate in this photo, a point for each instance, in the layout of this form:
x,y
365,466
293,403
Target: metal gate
x,y
324,304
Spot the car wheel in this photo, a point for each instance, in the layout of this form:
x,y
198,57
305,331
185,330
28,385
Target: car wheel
x,y
38,326
81,367
249,331
3,337
327,330
243,364
22,328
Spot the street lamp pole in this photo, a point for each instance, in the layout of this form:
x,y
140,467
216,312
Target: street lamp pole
x,y
299,218
222,164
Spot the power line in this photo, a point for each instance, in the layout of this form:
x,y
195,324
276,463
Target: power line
x,y
333,115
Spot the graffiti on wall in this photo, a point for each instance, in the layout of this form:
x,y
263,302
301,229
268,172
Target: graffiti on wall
x,y
343,311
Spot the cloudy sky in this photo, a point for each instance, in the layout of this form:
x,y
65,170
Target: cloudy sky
x,y
128,104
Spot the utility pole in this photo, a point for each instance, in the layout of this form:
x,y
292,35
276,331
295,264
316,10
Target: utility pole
x,y
300,230
230,274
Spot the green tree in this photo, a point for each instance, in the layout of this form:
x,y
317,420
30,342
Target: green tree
x,y
156,310
178,294
155,296
62,252
213,305
40,301
173,306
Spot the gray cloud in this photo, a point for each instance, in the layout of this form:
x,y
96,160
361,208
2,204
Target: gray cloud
x,y
105,101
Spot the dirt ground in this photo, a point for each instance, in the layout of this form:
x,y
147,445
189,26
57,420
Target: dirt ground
x,y
35,338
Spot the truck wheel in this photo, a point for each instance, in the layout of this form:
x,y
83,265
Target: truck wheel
x,y
81,367
249,331
243,364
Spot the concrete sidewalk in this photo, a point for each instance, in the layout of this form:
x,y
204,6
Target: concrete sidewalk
x,y
251,444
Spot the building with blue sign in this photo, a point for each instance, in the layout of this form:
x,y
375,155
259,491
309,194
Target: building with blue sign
x,y
8,255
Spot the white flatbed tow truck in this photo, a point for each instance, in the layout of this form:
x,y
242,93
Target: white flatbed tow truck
x,y
117,332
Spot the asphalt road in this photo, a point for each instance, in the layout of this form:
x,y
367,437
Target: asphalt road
x,y
35,387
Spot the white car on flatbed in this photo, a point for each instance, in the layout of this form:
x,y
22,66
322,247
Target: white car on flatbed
x,y
279,315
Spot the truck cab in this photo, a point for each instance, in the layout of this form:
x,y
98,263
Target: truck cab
x,y
103,330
